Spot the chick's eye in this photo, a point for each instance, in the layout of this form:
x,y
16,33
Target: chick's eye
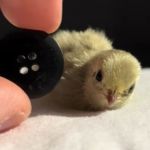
x,y
131,88
99,76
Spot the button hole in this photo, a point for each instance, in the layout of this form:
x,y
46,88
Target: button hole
x,y
24,70
35,67
32,56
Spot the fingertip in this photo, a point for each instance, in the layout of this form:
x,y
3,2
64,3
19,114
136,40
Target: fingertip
x,y
33,14
15,105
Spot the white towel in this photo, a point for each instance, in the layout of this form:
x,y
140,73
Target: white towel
x,y
52,128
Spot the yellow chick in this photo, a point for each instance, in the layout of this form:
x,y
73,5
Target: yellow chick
x,y
96,76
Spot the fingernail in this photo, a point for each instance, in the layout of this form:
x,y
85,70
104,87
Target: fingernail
x,y
11,122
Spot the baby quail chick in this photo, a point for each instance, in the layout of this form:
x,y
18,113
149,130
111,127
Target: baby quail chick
x,y
96,76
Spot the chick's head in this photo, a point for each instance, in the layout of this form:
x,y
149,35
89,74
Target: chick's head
x,y
110,78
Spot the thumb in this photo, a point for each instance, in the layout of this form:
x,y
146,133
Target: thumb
x,y
33,14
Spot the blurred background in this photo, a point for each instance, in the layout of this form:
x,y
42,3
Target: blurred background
x,y
126,22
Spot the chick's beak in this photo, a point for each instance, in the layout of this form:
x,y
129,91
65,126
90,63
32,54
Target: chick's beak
x,y
111,97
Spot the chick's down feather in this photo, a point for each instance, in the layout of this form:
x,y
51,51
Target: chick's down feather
x,y
96,76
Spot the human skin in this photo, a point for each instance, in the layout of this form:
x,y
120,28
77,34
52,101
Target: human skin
x,y
15,105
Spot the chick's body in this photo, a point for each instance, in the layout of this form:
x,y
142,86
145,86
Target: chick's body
x,y
96,76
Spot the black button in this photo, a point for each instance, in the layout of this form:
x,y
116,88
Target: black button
x,y
32,61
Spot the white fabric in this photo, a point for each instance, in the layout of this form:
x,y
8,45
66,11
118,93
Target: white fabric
x,y
51,128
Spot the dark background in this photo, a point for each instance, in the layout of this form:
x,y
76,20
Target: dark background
x,y
126,22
